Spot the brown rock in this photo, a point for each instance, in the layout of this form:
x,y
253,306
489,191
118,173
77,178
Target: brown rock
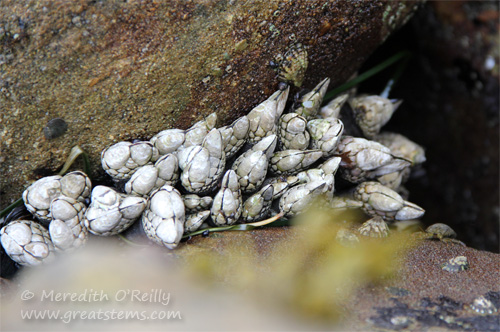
x,y
117,70
451,101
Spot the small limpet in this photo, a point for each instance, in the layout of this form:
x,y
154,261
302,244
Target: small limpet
x,y
292,66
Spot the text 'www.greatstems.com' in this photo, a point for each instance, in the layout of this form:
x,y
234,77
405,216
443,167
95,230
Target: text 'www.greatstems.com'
x,y
67,316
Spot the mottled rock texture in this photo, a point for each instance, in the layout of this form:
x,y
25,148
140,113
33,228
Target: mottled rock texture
x,y
451,107
115,70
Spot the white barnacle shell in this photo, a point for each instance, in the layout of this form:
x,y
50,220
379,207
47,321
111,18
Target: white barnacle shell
x,y
257,206
317,174
292,132
372,112
195,220
331,165
374,227
40,194
394,180
76,185
332,109
110,212
281,184
264,117
67,229
379,200
363,159
344,203
310,175
310,103
168,141
186,155
196,171
226,207
266,145
409,211
164,217
168,169
293,161
195,203
27,242
205,165
402,147
298,198
280,106
251,167
213,143
122,159
483,306
325,134
197,132
235,135
150,177
144,180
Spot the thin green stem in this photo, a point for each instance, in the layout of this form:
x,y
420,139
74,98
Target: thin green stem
x,y
367,74
394,79
11,207
124,239
241,227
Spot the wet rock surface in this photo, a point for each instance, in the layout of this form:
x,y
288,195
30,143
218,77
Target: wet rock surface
x,y
420,296
428,297
126,86
450,106
117,70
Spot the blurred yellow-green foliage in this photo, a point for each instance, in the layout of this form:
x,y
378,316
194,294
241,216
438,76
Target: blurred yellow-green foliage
x,y
309,271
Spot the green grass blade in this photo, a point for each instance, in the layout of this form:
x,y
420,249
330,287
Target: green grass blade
x,y
394,79
240,227
367,74
11,207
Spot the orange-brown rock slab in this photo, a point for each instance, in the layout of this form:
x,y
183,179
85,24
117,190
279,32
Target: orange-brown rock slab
x,y
117,70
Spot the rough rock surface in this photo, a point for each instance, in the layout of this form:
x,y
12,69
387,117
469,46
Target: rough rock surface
x,y
421,297
115,70
451,94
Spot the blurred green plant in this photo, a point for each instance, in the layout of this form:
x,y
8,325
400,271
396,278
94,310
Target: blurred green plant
x,y
308,271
